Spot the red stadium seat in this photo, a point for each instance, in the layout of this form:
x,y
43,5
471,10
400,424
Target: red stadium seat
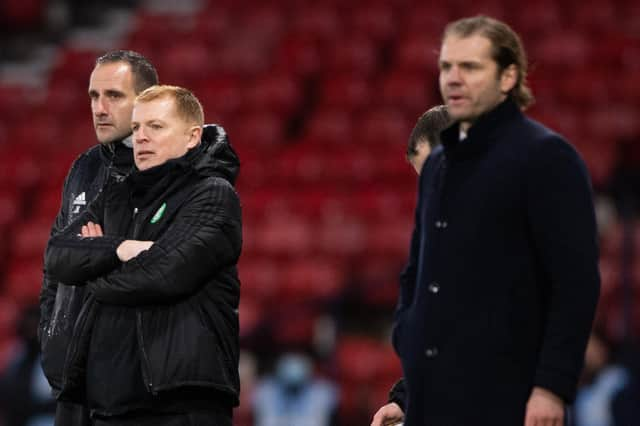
x,y
221,98
562,50
283,235
213,24
20,169
539,17
384,129
184,62
244,56
418,52
293,327
423,18
601,17
319,22
409,92
68,98
361,359
10,207
329,127
75,66
279,93
376,21
8,318
250,315
299,53
30,239
347,92
311,280
264,21
16,102
262,132
24,280
344,237
260,278
358,56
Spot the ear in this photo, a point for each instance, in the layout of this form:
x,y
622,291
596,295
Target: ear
x,y
195,134
509,78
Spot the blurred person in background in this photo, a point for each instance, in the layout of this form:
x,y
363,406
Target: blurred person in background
x,y
600,382
25,396
425,136
502,281
424,139
156,342
624,405
293,396
116,79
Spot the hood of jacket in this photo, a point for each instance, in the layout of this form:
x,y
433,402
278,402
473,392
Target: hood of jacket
x,y
214,156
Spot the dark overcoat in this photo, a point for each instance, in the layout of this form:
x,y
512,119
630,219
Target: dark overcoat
x,y
502,282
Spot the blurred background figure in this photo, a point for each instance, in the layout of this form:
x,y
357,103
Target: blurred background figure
x,y
292,396
608,393
319,99
25,396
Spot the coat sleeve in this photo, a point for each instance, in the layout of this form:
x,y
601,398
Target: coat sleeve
x,y
407,278
74,260
398,394
50,286
204,238
563,229
409,274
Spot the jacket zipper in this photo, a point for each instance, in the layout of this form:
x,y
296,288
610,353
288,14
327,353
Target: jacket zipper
x,y
145,364
145,359
135,224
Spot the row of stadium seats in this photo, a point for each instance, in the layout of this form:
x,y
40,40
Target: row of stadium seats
x,y
319,100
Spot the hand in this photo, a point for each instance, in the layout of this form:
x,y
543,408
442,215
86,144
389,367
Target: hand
x,y
388,415
129,249
91,230
544,409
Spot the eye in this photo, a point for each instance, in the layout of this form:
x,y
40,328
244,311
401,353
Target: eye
x,y
155,126
135,127
470,66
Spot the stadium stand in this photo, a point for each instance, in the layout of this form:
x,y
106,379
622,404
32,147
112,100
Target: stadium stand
x,y
319,100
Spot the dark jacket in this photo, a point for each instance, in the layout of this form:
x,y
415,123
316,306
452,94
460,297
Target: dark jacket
x,y
502,281
184,290
60,303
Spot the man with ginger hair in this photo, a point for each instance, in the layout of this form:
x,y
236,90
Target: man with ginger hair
x,y
156,342
500,290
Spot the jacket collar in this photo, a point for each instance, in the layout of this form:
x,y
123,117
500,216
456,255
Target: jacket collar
x,y
481,134
118,154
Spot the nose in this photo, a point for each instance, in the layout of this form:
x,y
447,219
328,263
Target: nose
x,y
452,76
99,106
139,135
